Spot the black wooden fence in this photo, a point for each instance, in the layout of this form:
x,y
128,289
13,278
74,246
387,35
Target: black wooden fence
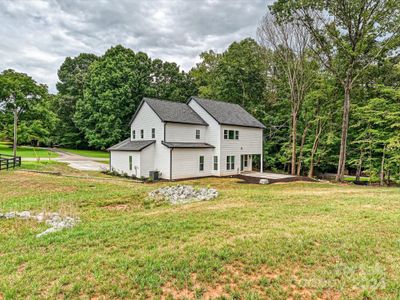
x,y
9,161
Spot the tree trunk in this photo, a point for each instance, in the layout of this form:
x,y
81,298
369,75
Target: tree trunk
x,y
388,177
303,139
382,174
359,166
313,151
345,127
15,111
294,135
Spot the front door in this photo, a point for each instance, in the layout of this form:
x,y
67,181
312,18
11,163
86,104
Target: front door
x,y
241,162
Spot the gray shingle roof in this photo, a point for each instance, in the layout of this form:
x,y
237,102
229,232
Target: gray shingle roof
x,y
228,113
187,145
175,112
128,145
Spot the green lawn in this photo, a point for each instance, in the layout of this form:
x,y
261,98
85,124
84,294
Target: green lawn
x,y
26,151
88,153
279,241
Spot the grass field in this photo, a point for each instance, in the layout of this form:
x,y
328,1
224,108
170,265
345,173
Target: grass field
x,y
279,241
88,153
26,151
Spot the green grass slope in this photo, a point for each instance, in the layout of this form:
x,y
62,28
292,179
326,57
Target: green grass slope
x,y
297,240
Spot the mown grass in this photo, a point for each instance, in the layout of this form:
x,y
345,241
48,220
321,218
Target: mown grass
x,y
26,151
88,153
299,240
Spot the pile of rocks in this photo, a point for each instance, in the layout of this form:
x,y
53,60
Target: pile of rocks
x,y
180,194
54,220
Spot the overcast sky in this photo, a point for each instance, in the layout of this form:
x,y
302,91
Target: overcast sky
x,y
37,35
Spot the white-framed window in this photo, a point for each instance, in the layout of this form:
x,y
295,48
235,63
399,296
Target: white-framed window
x,y
215,163
231,134
141,133
130,163
246,161
201,163
133,134
230,162
153,133
197,134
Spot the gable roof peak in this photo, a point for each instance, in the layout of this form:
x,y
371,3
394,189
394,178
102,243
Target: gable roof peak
x,y
172,111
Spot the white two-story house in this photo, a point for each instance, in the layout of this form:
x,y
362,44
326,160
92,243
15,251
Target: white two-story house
x,y
183,140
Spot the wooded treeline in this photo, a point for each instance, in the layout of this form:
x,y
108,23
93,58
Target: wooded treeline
x,y
323,76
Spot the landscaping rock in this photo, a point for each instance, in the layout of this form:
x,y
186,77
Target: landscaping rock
x,y
180,194
54,220
264,181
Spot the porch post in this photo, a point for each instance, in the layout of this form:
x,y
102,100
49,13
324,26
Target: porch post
x,y
262,152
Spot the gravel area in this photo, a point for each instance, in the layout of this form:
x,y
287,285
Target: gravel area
x,y
180,194
54,220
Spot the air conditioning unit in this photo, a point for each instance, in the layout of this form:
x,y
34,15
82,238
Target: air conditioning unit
x,y
154,175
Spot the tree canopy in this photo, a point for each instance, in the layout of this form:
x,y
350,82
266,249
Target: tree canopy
x,y
323,77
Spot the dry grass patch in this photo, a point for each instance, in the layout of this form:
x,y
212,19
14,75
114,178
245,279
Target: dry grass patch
x,y
295,240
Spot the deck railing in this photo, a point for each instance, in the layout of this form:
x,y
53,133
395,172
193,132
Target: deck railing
x,y
9,161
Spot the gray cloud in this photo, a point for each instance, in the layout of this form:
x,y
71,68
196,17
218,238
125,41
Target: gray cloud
x,y
37,35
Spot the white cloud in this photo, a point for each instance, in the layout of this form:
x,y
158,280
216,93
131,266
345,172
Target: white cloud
x,y
37,35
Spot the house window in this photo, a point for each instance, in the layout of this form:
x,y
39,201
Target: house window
x,y
230,162
142,134
130,163
201,163
133,134
197,134
215,163
153,133
231,134
246,161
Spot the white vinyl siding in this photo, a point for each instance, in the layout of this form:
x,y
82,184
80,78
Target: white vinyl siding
x,y
147,157
176,132
125,162
211,134
147,119
249,142
185,163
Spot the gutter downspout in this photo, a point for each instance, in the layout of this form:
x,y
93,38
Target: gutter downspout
x,y
170,153
170,164
109,160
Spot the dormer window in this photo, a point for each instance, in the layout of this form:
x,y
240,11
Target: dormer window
x,y
197,134
142,134
133,134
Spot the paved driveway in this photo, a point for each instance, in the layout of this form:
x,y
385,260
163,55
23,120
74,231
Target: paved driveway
x,y
267,175
79,162
75,161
